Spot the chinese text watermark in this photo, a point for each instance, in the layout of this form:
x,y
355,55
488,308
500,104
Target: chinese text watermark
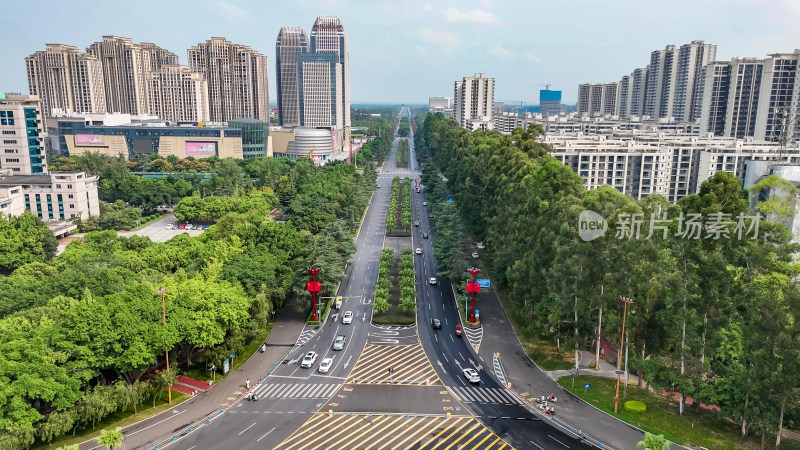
x,y
592,225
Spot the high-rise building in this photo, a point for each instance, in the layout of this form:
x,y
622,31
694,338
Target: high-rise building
x,y
637,93
65,78
743,97
711,97
178,94
625,91
691,60
780,93
320,82
153,57
438,104
473,101
237,79
661,75
125,68
291,42
598,98
550,103
20,125
329,37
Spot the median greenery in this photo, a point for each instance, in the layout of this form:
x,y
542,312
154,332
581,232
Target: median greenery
x,y
398,217
395,293
714,319
402,153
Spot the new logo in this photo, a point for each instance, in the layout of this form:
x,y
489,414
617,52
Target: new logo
x,y
591,225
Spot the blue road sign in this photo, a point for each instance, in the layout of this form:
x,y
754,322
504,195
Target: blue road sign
x,y
587,385
449,198
483,283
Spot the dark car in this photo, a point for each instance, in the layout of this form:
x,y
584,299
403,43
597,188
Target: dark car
x,y
436,323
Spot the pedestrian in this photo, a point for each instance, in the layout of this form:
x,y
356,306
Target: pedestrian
x,y
247,383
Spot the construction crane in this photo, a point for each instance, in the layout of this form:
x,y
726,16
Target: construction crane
x,y
519,108
546,86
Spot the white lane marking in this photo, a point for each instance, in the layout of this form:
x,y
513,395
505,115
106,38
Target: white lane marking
x,y
451,338
551,437
251,426
273,429
537,445
170,417
437,338
445,358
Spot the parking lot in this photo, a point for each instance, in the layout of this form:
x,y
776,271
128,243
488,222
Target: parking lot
x,y
158,232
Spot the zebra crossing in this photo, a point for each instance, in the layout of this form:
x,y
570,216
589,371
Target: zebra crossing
x,y
484,395
305,336
296,390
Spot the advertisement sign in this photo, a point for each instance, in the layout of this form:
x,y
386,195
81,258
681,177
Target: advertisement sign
x,y
90,139
201,149
226,366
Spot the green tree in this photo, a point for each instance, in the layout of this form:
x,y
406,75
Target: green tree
x,y
653,442
111,438
380,305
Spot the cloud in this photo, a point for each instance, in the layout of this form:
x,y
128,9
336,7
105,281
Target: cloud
x,y
501,52
439,37
427,7
230,12
532,58
333,3
476,16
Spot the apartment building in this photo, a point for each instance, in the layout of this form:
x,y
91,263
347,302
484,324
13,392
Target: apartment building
x,y
473,99
21,135
290,43
177,93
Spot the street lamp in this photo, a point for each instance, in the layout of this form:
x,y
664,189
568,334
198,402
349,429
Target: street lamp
x,y
626,301
473,288
162,293
313,287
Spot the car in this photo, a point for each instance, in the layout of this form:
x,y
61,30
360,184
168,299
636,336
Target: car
x,y
338,343
308,360
424,235
170,226
416,223
182,226
432,281
205,227
424,203
436,324
418,251
347,317
475,255
418,191
325,365
459,330
472,375
430,216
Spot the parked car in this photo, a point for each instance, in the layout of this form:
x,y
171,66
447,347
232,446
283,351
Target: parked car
x,y
308,360
170,226
347,317
182,226
459,330
325,365
432,281
418,251
475,255
338,343
472,375
205,227
436,324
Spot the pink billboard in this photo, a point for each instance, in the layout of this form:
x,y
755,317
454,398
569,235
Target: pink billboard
x,y
201,149
89,139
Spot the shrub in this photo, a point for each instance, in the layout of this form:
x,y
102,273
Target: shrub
x,y
635,406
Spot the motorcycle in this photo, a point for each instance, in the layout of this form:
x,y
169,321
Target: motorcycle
x,y
263,348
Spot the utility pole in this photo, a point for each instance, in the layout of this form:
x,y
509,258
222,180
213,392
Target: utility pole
x,y
626,301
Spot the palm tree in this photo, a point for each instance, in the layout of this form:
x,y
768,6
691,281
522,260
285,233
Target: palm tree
x,y
111,438
653,442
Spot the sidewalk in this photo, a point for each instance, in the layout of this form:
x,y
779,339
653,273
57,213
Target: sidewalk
x,y
529,381
281,339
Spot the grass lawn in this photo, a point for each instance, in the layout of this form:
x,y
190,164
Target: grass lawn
x,y
695,428
119,419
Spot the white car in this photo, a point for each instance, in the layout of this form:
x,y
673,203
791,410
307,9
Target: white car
x,y
347,317
472,375
308,360
325,365
424,203
475,255
432,281
170,226
418,251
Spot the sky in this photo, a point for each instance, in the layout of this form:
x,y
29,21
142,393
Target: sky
x,y
405,52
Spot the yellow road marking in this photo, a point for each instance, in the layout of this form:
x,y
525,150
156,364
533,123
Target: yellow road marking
x,y
478,445
300,433
420,432
446,429
483,430
453,433
396,436
466,433
365,427
377,433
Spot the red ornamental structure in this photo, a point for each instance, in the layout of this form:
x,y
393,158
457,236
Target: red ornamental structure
x,y
314,287
473,288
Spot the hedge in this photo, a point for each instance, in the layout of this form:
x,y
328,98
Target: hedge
x,y
635,406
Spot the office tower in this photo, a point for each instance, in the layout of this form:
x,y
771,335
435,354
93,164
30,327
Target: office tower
x,y
320,88
178,94
691,60
638,88
124,71
661,75
328,37
22,134
550,103
711,97
236,77
67,79
291,42
473,101
625,91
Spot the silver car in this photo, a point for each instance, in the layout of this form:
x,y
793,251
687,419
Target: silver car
x,y
338,343
472,375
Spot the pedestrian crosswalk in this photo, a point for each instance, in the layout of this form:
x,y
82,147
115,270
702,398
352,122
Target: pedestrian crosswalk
x,y
296,390
484,395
